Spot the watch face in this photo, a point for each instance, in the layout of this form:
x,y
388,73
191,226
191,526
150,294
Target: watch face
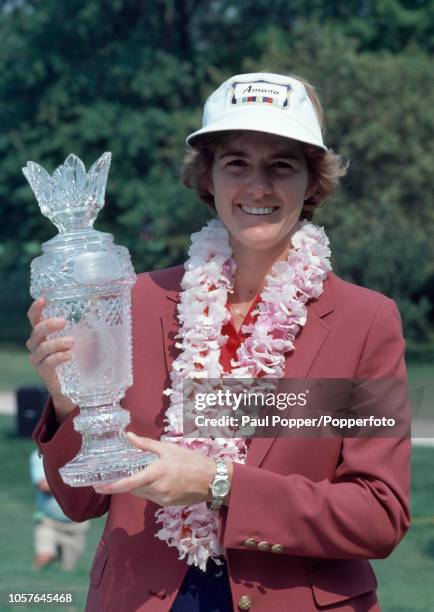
x,y
220,487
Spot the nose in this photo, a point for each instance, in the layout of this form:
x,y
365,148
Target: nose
x,y
258,184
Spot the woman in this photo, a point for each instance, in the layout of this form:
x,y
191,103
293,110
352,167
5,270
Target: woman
x,y
265,524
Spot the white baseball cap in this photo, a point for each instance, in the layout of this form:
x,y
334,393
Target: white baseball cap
x,y
262,102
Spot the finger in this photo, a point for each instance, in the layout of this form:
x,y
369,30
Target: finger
x,y
125,485
34,313
148,444
43,329
53,360
50,347
149,496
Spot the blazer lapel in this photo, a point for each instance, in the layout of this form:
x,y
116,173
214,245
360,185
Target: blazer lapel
x,y
298,363
170,329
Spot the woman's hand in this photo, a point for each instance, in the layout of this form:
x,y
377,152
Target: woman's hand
x,y
46,354
179,478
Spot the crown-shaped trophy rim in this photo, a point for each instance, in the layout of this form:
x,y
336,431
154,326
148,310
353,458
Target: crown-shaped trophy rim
x,y
70,197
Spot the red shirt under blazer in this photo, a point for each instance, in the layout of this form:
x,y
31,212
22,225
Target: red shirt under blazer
x,y
330,503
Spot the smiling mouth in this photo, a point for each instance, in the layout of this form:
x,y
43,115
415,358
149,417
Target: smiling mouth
x,y
262,210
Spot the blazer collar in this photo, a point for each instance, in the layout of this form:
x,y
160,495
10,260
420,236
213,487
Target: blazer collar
x,y
173,294
323,305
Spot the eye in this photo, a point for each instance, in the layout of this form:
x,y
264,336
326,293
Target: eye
x,y
283,165
237,162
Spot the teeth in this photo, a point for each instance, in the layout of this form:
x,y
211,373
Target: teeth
x,y
264,210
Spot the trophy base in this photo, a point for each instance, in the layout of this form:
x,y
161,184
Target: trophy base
x,y
106,454
86,470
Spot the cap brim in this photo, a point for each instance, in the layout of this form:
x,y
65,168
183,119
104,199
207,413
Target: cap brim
x,y
254,119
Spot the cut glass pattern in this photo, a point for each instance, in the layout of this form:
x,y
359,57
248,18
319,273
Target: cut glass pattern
x,y
86,279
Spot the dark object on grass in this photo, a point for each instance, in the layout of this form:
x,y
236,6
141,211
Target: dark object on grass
x,y
30,404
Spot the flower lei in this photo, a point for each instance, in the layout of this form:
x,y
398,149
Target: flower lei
x,y
202,312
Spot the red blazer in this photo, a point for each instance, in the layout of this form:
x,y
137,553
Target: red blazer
x,y
330,503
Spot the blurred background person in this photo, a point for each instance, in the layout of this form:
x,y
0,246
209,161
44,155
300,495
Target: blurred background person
x,y
54,534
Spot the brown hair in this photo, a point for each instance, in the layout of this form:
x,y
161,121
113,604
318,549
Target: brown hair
x,y
325,168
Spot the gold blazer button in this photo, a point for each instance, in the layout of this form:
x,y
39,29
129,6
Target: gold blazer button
x,y
277,548
250,543
245,603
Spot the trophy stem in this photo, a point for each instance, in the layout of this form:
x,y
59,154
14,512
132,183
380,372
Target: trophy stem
x,y
106,454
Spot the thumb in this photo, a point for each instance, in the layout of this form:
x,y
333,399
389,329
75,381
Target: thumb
x,y
146,444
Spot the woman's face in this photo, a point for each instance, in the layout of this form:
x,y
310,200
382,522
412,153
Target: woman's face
x,y
259,183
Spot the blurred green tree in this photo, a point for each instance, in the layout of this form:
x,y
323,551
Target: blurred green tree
x,y
380,116
129,76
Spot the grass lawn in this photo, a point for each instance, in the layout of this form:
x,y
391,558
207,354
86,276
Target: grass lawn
x,y
405,579
16,508
16,369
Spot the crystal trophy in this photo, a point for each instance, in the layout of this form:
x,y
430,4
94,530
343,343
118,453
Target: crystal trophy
x,y
86,279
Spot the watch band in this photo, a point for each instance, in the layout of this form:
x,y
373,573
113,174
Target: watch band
x,y
220,485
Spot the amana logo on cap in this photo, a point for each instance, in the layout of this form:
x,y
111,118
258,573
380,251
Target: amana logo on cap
x,y
260,92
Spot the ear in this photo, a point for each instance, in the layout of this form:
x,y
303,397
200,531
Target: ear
x,y
310,190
